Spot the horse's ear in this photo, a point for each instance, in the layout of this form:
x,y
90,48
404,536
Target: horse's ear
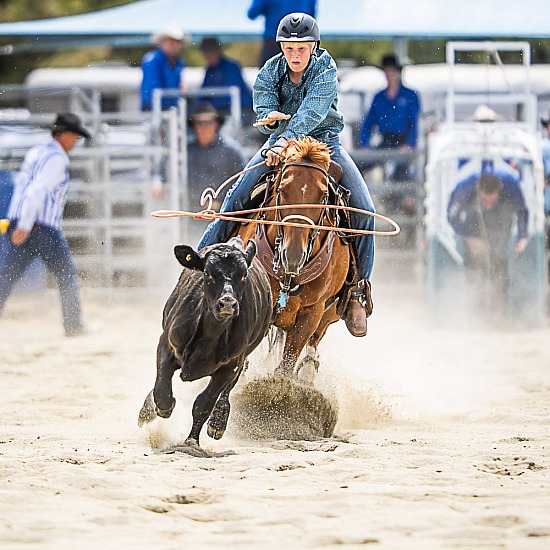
x,y
187,257
250,251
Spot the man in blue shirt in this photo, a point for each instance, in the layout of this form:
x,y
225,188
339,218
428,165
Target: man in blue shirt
x,y
222,71
482,211
274,11
35,214
162,68
296,95
394,112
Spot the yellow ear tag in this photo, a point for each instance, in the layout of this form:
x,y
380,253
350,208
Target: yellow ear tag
x,y
188,258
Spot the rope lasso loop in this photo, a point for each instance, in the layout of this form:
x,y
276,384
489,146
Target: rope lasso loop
x,y
209,194
233,216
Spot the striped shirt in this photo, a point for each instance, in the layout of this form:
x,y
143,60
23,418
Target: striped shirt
x,y
313,103
41,187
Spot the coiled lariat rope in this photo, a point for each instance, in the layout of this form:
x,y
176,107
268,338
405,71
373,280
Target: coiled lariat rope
x,y
232,217
209,194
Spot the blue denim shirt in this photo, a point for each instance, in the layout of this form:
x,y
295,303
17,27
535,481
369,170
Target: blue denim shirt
x,y
313,103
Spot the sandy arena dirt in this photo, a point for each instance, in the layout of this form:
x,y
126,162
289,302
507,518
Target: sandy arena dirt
x,y
442,439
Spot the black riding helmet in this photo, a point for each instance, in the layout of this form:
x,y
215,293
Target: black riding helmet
x,y
298,27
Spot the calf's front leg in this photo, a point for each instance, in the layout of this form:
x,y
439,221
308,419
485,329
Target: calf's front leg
x,y
162,392
205,401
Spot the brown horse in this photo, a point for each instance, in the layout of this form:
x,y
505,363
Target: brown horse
x,y
307,267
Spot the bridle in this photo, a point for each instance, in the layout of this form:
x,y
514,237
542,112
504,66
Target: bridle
x,y
287,280
298,217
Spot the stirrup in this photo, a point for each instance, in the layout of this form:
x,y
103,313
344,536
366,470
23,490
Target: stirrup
x,y
362,293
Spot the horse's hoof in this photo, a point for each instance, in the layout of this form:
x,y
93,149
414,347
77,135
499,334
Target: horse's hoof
x,y
284,372
166,413
308,369
148,410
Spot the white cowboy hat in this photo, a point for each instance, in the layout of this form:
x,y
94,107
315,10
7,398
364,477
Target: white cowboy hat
x,y
483,113
171,31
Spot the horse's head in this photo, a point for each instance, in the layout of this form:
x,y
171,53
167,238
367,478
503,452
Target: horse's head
x,y
304,180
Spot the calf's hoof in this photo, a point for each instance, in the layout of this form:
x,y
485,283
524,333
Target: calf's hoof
x,y
217,423
166,413
148,410
213,432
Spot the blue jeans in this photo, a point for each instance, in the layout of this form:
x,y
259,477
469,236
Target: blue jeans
x,y
49,244
353,181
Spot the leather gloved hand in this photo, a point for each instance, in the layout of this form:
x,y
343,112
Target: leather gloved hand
x,y
274,153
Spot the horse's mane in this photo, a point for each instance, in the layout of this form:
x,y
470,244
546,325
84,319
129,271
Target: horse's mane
x,y
308,149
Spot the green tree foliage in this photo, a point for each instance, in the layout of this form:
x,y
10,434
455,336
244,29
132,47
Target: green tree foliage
x,y
23,10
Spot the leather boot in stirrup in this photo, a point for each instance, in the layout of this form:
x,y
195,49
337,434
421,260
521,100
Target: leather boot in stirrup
x,y
359,308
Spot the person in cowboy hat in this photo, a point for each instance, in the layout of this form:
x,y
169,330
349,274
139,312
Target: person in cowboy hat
x,y
35,214
211,159
162,67
394,111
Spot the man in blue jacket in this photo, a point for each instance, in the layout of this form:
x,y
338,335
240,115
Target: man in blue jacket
x,y
162,68
222,71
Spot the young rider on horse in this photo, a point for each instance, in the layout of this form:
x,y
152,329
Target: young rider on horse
x,y
296,95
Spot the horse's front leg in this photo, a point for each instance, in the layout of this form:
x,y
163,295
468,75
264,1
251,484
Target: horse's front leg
x,y
205,401
307,321
309,365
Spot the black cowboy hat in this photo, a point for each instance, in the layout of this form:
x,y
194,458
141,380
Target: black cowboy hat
x,y
69,122
210,44
390,60
205,112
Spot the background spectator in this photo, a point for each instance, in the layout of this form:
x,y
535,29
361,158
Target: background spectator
x,y
394,112
35,214
223,71
482,211
546,151
273,11
162,68
211,158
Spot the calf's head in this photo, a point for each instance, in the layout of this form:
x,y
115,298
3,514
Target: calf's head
x,y
225,269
